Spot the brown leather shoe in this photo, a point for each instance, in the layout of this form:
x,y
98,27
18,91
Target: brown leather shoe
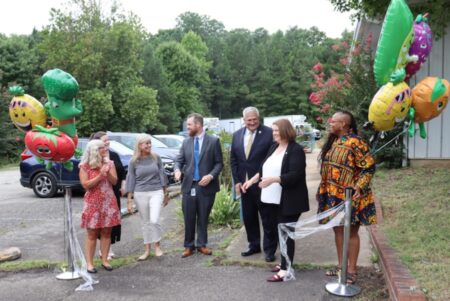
x,y
187,252
204,250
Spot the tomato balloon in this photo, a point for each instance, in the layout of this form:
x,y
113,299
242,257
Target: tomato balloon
x,y
50,144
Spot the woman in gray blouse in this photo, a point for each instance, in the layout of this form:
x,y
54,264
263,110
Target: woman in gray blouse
x,y
147,184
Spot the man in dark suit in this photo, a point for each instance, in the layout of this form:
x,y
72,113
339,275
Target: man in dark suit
x,y
249,147
200,161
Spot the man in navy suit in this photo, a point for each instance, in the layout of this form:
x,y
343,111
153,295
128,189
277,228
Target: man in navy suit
x,y
248,150
200,162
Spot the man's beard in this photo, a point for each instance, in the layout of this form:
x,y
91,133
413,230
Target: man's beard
x,y
192,133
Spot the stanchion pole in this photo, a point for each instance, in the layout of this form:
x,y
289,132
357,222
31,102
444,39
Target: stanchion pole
x,y
70,274
341,288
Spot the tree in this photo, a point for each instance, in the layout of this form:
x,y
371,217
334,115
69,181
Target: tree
x,y
103,52
439,10
153,76
18,62
18,65
141,109
185,68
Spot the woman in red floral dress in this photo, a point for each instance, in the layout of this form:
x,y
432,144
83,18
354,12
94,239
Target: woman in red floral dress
x,y
100,211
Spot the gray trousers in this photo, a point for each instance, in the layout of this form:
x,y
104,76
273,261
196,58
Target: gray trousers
x,y
196,210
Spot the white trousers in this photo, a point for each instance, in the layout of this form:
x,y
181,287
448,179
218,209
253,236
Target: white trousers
x,y
149,204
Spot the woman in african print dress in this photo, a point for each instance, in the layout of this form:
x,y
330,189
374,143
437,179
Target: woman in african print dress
x,y
346,162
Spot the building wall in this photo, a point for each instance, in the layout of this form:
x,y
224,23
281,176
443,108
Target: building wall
x,y
437,143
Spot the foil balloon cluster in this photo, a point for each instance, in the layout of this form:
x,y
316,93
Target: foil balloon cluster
x,y
403,47
392,101
58,141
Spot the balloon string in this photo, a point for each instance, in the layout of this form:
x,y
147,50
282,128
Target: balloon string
x,y
390,141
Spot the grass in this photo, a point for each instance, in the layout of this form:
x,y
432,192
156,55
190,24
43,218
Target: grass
x,y
416,211
26,265
21,265
9,165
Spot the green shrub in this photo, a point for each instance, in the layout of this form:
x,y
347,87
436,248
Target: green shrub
x,y
388,148
225,211
225,175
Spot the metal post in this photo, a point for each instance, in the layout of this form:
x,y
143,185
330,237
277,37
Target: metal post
x,y
70,274
341,288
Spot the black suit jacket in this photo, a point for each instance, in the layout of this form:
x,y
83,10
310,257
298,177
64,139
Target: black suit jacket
x,y
121,173
211,162
240,166
294,193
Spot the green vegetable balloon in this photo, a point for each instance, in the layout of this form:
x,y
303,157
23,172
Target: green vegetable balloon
x,y
62,106
395,40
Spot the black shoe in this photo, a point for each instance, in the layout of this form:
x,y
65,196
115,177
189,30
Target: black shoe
x,y
93,271
250,252
107,267
270,258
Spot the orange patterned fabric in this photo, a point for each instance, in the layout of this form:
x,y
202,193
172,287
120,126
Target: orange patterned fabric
x,y
348,164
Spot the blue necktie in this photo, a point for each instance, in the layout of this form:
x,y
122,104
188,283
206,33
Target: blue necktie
x,y
196,159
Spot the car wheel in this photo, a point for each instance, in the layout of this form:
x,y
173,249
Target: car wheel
x,y
44,185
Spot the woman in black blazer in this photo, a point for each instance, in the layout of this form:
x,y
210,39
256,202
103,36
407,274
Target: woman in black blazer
x,y
283,182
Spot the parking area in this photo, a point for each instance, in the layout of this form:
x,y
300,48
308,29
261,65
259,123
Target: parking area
x,y
36,225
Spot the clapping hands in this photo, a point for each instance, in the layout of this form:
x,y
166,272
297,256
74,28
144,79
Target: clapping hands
x,y
105,169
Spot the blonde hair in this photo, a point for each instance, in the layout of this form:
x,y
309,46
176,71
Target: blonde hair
x,y
137,154
91,155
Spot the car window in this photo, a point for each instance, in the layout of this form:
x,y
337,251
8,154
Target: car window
x,y
157,143
82,144
120,148
129,141
172,142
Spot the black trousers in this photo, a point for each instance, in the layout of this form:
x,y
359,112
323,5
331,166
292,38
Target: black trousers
x,y
252,207
196,210
290,243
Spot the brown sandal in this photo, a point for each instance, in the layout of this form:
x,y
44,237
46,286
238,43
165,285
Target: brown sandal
x,y
276,268
351,278
333,272
276,278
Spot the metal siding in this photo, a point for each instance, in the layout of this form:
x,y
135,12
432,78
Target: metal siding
x,y
437,144
434,128
446,114
420,145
